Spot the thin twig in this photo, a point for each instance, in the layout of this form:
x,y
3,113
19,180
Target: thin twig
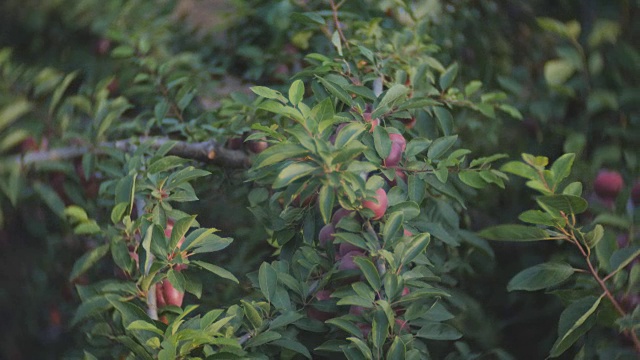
x,y
334,11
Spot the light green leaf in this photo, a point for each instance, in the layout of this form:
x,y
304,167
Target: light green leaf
x,y
292,173
326,198
296,92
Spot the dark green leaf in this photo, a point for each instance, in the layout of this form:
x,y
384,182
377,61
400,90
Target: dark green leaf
x,y
568,204
293,346
326,199
88,260
623,257
440,146
541,276
514,232
381,141
575,320
370,272
439,331
268,280
225,274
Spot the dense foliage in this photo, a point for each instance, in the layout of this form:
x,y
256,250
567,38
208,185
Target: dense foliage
x,y
313,179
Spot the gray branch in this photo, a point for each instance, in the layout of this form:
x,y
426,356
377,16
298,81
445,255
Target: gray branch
x,y
210,152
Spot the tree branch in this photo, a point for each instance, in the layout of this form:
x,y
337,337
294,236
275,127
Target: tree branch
x,y
210,152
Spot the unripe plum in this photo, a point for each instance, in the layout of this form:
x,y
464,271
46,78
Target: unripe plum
x,y
379,205
346,248
258,146
608,184
339,214
398,139
171,295
367,118
347,263
395,155
326,235
314,313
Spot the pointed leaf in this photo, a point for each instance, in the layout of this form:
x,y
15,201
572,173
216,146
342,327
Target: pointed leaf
x,y
541,276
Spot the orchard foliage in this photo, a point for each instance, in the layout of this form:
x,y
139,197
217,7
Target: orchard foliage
x,y
329,206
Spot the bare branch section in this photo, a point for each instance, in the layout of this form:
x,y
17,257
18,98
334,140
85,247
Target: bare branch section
x,y
210,152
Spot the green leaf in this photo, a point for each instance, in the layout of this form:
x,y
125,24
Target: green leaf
x,y
268,280
252,314
623,257
348,133
292,173
345,325
50,197
379,329
165,163
472,178
278,153
440,146
285,319
293,346
381,141
394,93
537,217
336,90
13,112
118,211
143,325
392,225
520,169
594,236
541,276
438,331
370,272
558,71
397,350
88,260
416,247
263,338
447,78
60,90
296,92
326,198
265,92
512,111
575,320
568,204
575,189
514,232
561,168
223,273
93,306
445,119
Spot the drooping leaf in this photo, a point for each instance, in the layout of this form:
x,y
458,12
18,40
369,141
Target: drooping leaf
x,y
575,320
